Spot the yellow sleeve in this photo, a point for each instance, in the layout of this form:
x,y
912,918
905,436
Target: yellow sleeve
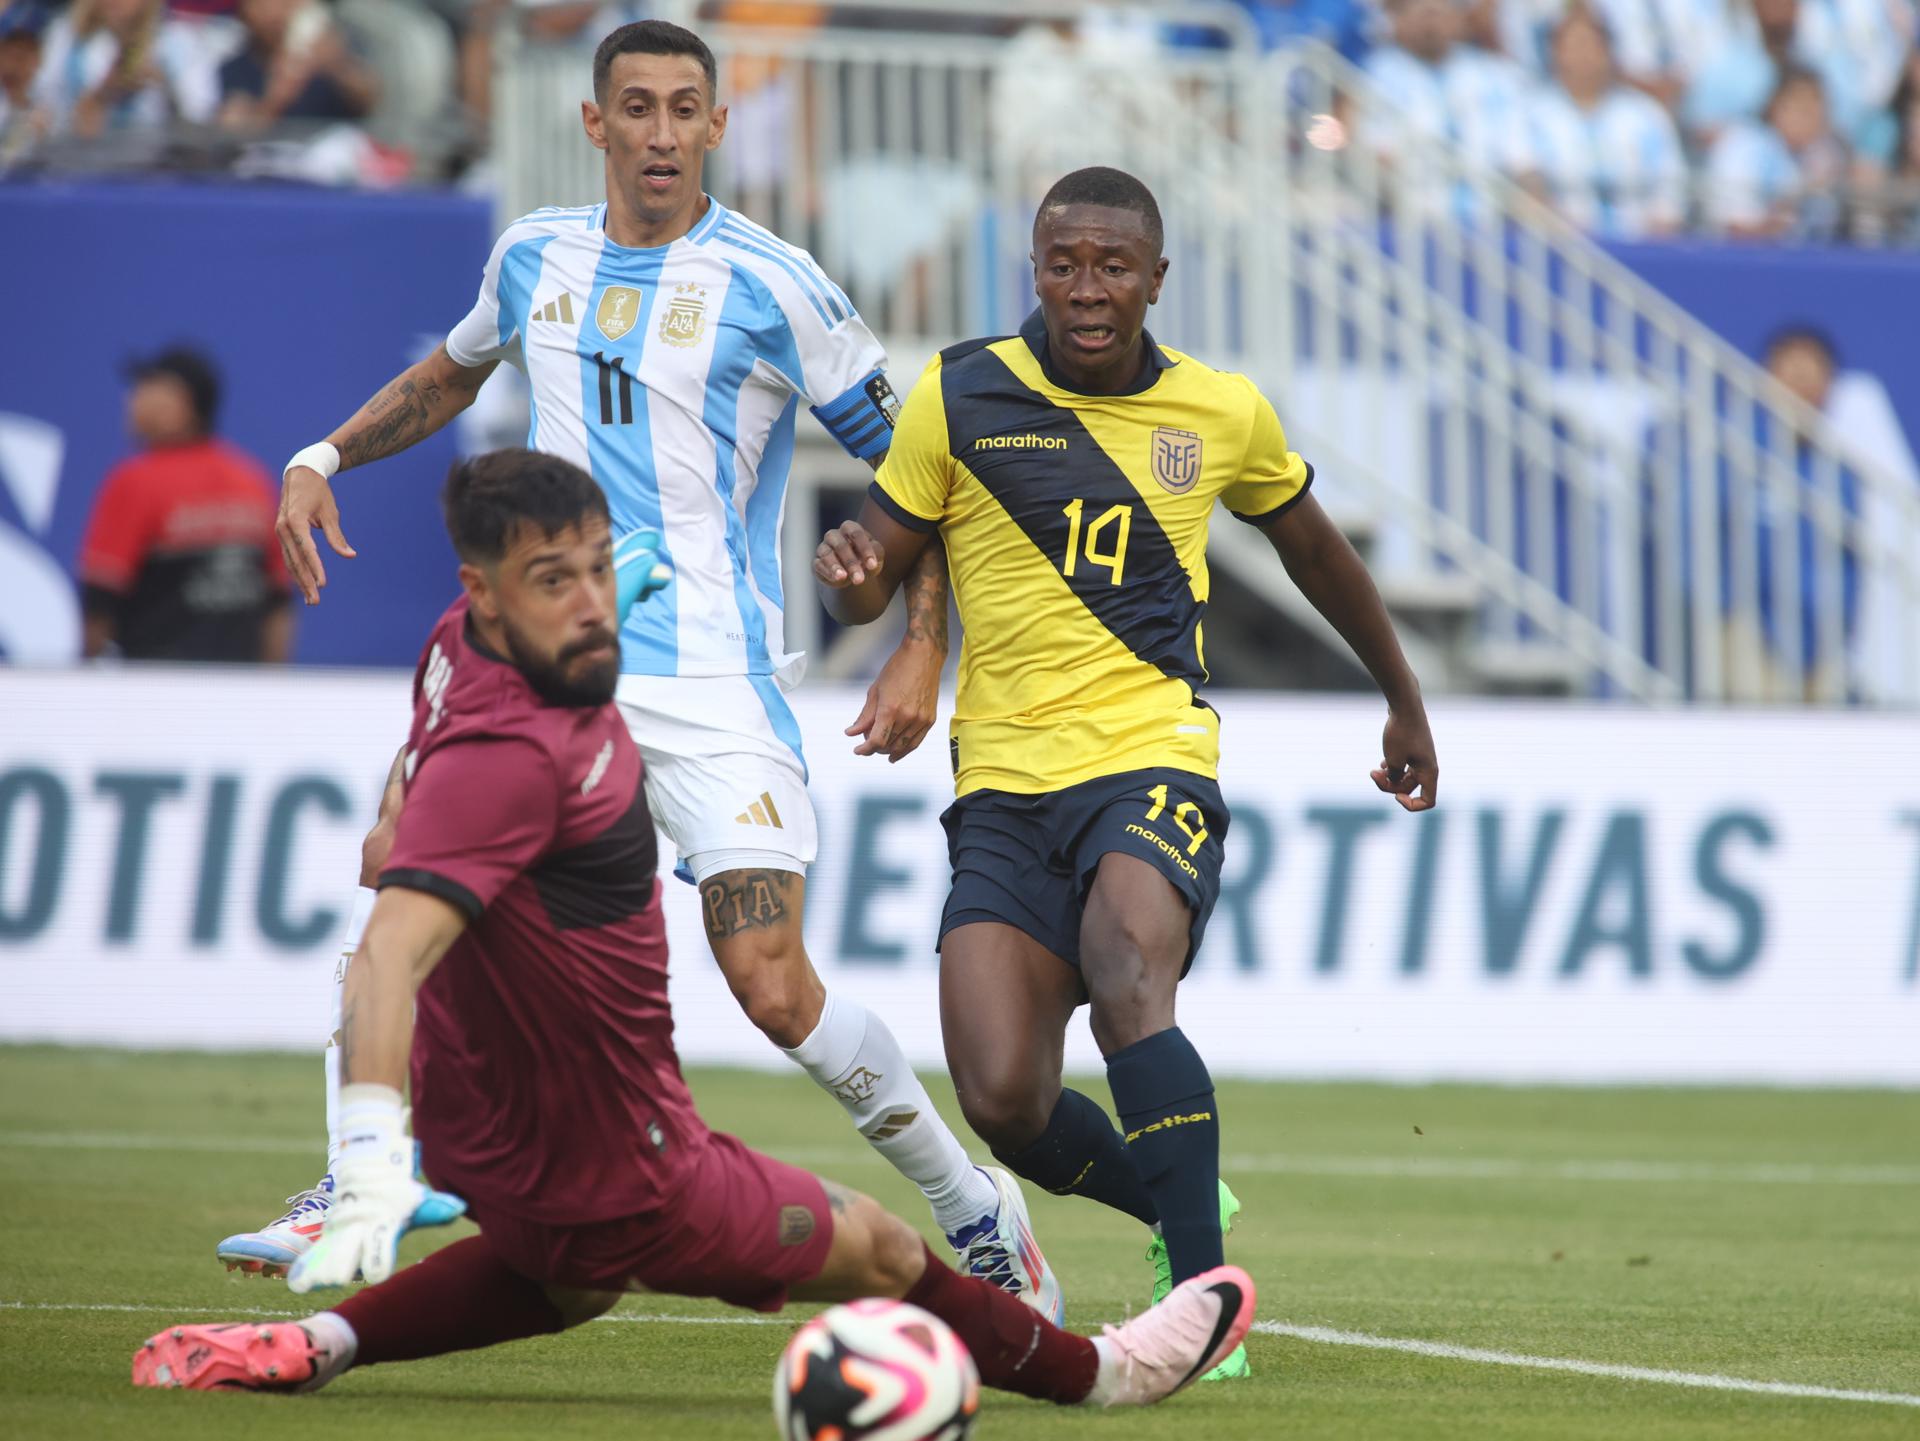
x,y
1271,477
916,478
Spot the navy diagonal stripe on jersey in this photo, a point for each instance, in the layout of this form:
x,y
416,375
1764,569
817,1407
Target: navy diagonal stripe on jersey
x,y
1153,611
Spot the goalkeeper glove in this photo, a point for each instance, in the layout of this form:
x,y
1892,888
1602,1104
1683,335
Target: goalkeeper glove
x,y
639,570
377,1199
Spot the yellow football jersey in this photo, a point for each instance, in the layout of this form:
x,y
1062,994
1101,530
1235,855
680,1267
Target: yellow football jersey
x,y
1076,532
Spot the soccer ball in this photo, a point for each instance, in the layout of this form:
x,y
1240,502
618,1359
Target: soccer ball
x,y
875,1371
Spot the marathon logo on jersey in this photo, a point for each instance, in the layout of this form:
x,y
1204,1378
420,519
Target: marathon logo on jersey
x,y
1167,1123
1021,442
686,319
1176,459
619,311
884,400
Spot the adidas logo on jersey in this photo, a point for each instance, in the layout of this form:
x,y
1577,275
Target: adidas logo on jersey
x,y
560,308
761,813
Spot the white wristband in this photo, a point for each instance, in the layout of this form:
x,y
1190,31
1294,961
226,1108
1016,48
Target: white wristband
x,y
321,456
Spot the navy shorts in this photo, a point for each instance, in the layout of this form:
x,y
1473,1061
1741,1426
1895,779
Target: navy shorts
x,y
1028,861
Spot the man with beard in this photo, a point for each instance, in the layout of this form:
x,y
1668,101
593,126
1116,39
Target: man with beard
x,y
515,969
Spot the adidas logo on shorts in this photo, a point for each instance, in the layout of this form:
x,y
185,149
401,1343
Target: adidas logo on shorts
x,y
761,813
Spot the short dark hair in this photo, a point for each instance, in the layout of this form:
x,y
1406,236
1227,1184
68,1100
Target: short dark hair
x,y
1114,189
489,497
193,370
652,37
1789,337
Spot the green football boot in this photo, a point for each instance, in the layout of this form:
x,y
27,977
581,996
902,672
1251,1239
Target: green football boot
x,y
1236,1364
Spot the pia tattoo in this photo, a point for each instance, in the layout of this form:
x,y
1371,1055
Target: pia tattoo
x,y
737,901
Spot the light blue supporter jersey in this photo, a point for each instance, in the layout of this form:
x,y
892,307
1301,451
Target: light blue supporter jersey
x,y
673,375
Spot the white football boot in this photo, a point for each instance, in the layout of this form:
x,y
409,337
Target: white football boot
x,y
271,1250
1000,1250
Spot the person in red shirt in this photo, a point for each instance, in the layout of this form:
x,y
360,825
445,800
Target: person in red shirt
x,y
179,561
515,967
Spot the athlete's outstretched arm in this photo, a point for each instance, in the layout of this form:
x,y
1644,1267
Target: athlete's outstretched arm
x,y
409,408
861,564
407,935
377,1199
1330,573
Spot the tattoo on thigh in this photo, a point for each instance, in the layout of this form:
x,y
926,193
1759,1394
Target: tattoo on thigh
x,y
838,1197
736,901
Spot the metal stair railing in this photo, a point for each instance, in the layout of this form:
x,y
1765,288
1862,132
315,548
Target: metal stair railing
x,y
1629,505
1623,485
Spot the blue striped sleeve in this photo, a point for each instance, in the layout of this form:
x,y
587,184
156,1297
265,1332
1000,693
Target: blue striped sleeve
x,y
861,417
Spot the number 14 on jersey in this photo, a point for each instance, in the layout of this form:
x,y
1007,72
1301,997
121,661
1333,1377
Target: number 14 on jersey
x,y
1106,538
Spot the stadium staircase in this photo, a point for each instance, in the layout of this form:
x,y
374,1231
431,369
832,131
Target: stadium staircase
x,y
1564,484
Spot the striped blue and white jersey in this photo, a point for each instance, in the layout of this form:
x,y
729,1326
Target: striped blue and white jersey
x,y
673,375
1750,176
1617,169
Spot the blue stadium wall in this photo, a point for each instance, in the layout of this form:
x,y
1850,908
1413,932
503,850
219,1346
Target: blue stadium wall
x,y
310,299
307,299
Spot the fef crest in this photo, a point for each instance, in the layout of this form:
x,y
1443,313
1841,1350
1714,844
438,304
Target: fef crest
x,y
1176,459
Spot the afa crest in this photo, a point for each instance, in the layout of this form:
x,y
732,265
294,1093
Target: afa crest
x,y
686,319
1176,459
619,311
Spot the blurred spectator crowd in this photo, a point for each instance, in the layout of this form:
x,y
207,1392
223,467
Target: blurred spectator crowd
x,y
1637,118
1633,118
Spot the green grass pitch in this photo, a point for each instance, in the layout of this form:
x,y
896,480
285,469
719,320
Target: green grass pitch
x,y
1771,1236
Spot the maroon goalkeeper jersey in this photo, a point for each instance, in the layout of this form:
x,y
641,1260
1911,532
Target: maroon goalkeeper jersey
x,y
545,1084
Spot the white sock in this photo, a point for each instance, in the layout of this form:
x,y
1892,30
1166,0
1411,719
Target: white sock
x,y
363,899
333,1337
854,1057
1112,1370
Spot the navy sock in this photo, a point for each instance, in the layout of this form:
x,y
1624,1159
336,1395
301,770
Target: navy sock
x,y
1080,1154
1165,1099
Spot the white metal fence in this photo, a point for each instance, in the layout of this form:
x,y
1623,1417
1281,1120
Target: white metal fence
x,y
1630,506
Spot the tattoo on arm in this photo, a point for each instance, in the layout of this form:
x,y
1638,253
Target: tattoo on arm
x,y
737,901
926,590
395,418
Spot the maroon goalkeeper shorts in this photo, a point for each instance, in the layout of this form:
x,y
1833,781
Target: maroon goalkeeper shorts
x,y
744,1229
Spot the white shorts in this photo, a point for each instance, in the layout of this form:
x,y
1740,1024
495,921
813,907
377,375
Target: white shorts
x,y
726,779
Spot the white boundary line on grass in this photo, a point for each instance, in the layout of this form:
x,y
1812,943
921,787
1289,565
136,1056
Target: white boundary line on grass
x,y
1392,1168
1321,1335
1440,1350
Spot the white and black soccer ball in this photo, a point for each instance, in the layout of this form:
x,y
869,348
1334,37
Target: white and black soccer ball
x,y
875,1371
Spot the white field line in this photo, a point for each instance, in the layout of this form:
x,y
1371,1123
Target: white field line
x,y
660,1318
1441,1350
1321,1335
1414,1168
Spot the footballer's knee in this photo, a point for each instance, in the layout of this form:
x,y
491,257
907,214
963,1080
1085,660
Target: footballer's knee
x,y
873,1252
781,996
896,1256
576,1308
1008,1112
